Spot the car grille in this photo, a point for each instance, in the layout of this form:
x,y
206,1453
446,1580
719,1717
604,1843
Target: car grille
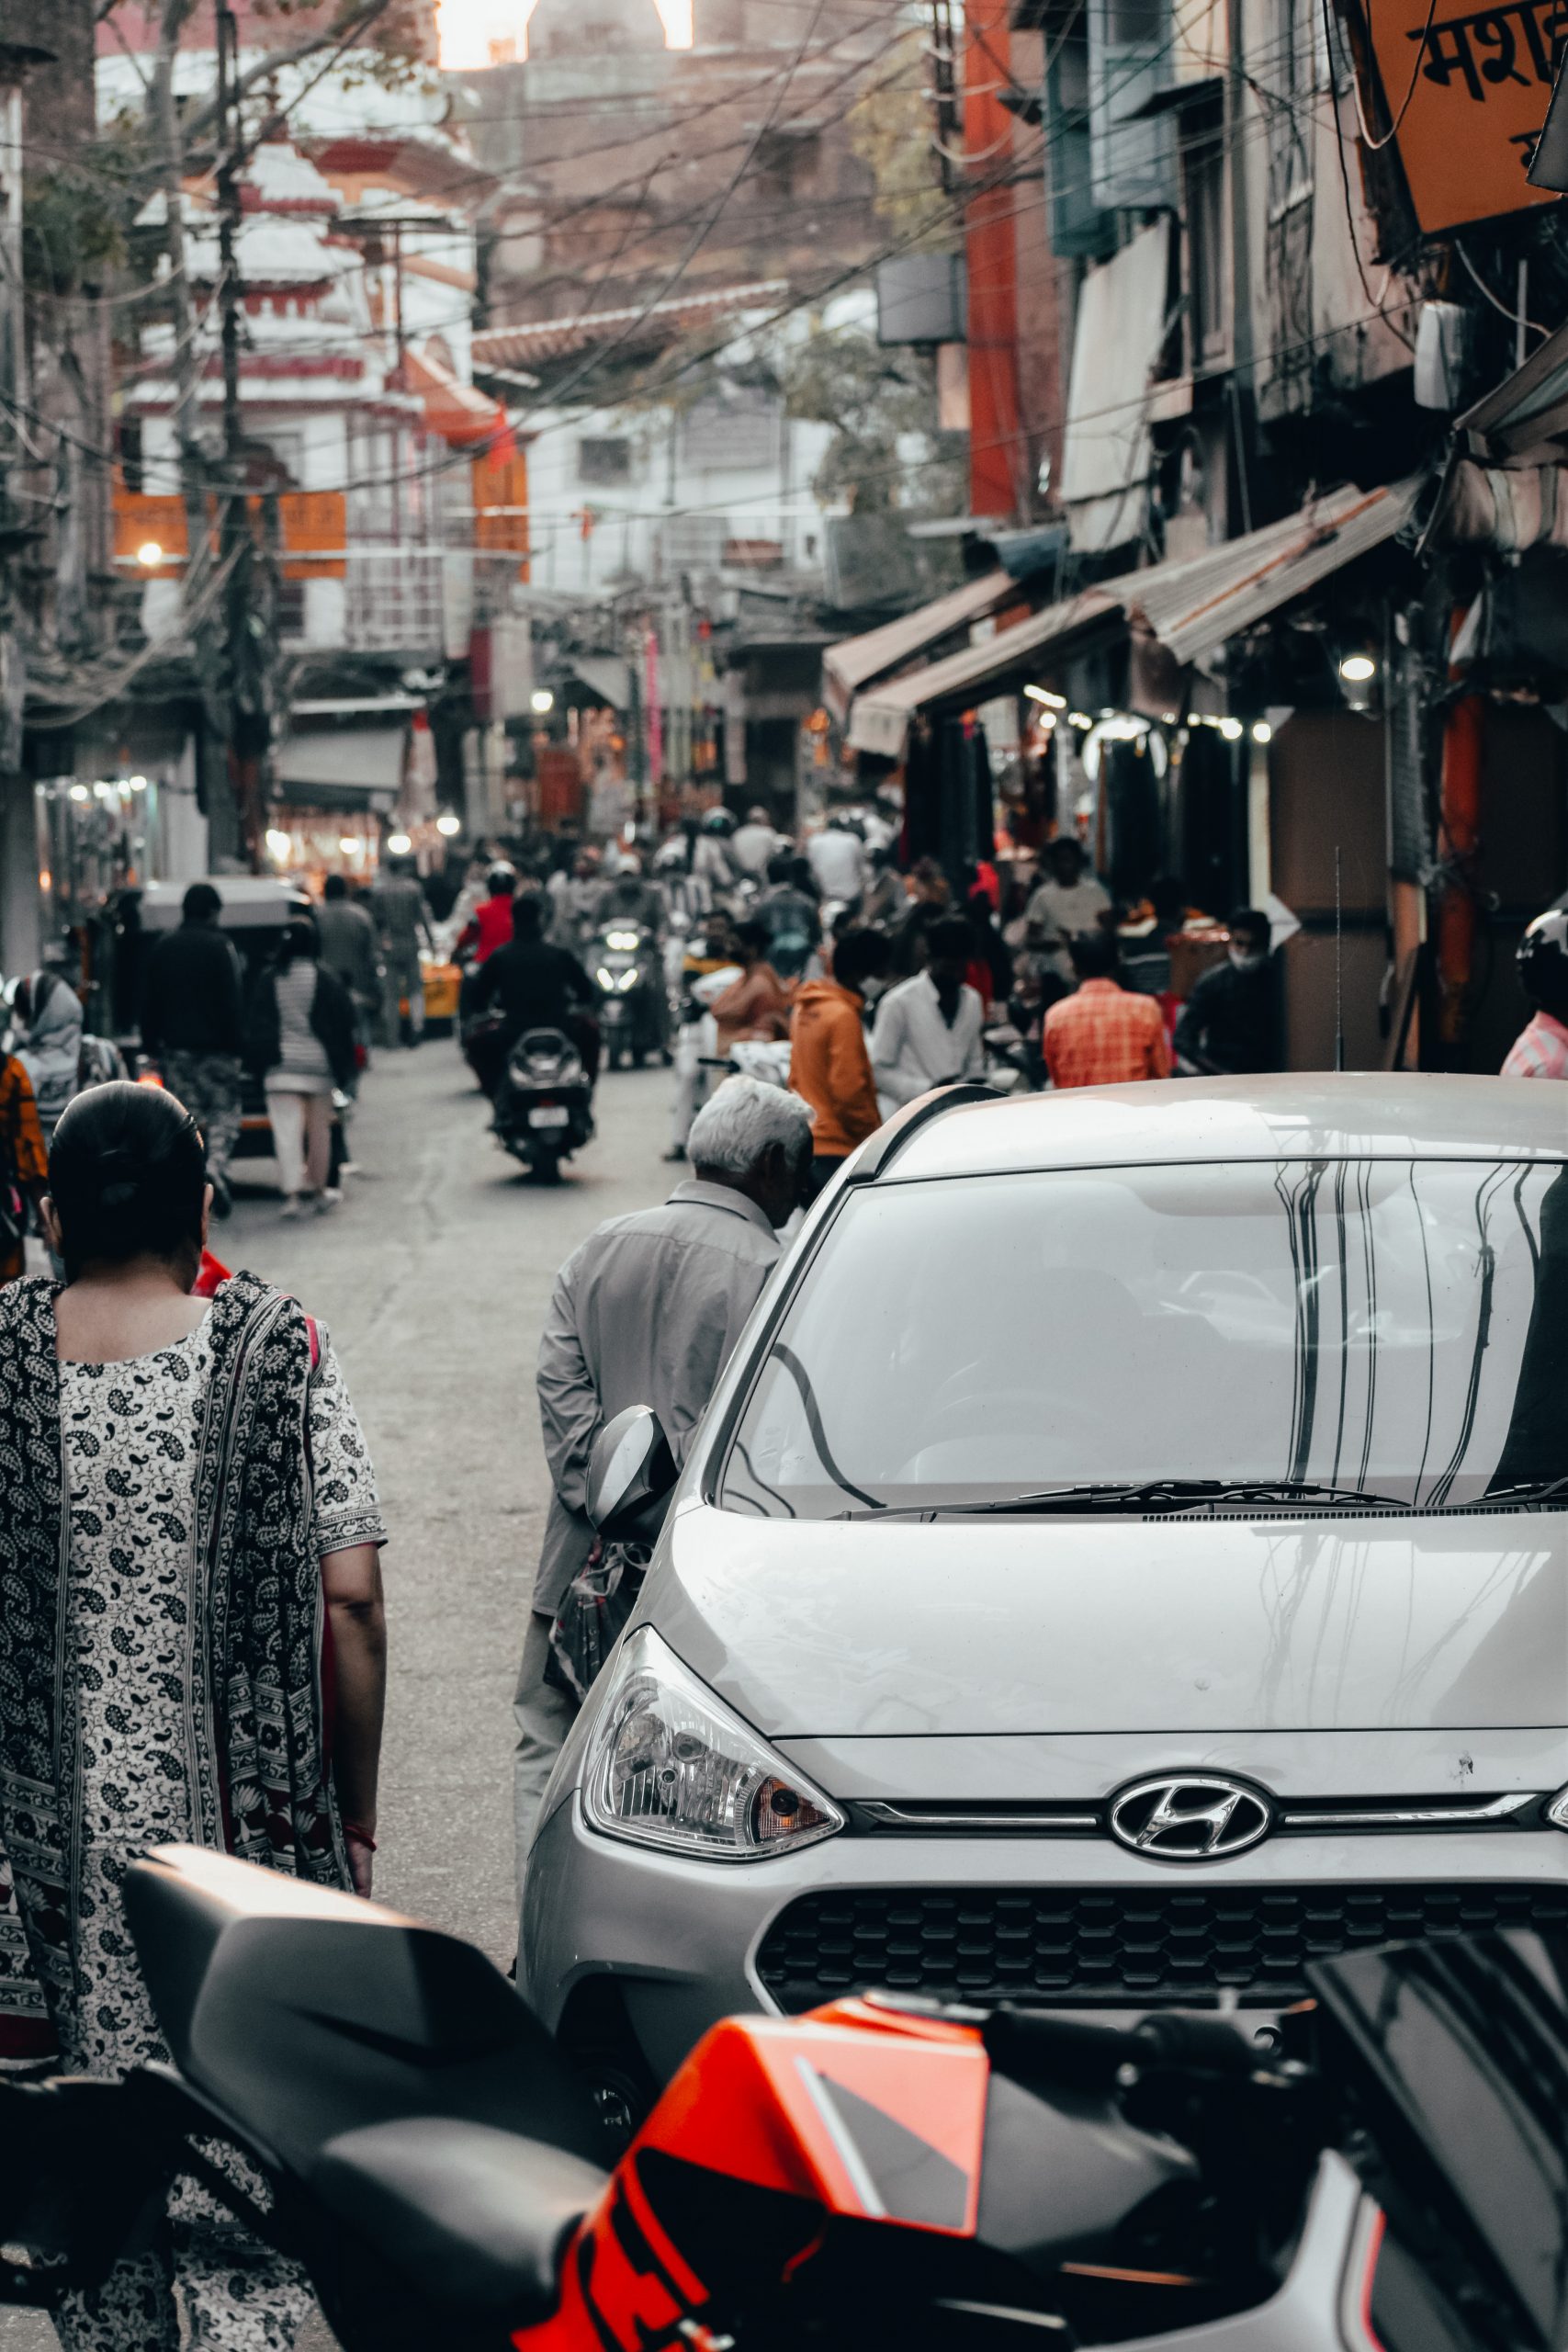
x,y
1088,1945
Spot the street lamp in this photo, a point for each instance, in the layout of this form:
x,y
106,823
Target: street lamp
x,y
447,826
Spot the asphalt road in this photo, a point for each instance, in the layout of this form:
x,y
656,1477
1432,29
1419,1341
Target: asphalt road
x,y
433,1279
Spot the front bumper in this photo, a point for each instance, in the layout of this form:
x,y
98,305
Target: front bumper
x,y
684,1941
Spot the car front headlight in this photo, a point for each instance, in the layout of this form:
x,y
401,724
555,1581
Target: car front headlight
x,y
1557,1811
671,1767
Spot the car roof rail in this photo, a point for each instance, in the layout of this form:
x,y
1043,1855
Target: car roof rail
x,y
877,1153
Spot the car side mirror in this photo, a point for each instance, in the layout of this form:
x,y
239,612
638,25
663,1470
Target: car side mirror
x,y
630,1474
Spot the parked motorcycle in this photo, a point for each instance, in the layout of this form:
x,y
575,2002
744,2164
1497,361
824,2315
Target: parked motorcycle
x,y
544,1103
628,973
1384,2171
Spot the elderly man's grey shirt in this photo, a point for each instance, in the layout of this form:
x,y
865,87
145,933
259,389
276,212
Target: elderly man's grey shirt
x,y
645,1313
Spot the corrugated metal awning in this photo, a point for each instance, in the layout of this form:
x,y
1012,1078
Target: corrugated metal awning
x,y
880,719
1528,410
855,662
1193,607
1189,608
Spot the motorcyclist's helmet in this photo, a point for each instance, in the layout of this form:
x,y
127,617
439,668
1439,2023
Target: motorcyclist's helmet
x,y
671,858
1543,962
501,879
718,820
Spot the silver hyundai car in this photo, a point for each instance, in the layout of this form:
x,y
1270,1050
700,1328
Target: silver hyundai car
x,y
1125,1559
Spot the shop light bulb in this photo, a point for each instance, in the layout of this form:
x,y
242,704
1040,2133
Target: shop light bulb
x,y
150,555
1357,668
446,825
399,844
278,845
1262,732
1079,719
1231,729
80,792
1042,695
541,700
348,845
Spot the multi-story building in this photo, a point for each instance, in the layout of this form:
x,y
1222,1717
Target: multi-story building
x,y
388,498
1293,249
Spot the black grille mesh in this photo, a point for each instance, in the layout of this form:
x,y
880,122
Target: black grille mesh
x,y
1089,1944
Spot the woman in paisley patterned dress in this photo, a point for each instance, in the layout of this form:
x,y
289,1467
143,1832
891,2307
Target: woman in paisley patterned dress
x,y
192,1644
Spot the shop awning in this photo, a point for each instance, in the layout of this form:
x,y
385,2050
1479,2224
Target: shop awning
x,y
1529,410
606,675
855,662
1188,609
880,719
341,767
1108,450
1193,607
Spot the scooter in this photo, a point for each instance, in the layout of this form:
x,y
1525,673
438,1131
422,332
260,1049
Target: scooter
x,y
544,1103
628,973
1383,2170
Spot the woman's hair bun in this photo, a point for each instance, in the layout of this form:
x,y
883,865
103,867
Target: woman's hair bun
x,y
127,1171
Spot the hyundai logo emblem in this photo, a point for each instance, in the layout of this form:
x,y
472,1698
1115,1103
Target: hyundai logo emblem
x,y
1194,1818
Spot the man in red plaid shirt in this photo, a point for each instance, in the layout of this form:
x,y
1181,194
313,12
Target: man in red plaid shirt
x,y
1103,1035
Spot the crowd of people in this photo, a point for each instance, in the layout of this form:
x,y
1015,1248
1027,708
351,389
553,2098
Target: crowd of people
x,y
181,1443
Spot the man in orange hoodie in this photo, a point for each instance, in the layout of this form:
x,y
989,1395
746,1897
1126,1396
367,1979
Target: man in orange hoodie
x,y
830,1066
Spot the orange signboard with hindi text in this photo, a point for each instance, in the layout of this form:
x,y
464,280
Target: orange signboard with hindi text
x,y
1477,82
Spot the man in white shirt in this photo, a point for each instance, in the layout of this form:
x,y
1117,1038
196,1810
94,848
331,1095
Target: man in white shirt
x,y
1066,904
927,1031
754,844
837,861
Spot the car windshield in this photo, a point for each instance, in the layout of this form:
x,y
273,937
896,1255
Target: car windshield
x,y
1396,1329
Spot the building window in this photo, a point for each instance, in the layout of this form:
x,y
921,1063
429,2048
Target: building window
x,y
1208,273
604,460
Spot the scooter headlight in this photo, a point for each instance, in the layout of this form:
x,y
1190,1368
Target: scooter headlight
x,y
605,980
627,981
669,1765
622,942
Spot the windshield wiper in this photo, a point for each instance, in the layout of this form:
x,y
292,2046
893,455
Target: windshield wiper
x,y
1150,1494
1528,1491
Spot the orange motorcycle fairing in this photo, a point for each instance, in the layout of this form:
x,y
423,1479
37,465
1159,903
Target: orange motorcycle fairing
x,y
773,2130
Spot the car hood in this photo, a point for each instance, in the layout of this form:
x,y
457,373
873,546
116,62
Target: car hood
x,y
1050,1625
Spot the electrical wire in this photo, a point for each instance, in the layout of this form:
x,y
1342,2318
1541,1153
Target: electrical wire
x,y
1376,146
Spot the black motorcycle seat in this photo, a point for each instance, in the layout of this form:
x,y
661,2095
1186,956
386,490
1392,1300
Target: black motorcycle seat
x,y
476,2220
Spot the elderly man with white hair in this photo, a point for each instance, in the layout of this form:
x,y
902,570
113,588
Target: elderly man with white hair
x,y
646,1312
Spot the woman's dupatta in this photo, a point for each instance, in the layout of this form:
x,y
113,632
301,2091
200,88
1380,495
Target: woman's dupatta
x,y
251,1698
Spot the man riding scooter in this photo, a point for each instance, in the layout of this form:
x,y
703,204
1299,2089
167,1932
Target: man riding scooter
x,y
628,970
528,984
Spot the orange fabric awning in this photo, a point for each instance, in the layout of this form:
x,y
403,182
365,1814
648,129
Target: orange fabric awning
x,y
463,417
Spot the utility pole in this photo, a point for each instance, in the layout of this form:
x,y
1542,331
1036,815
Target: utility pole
x,y
250,620
188,363
20,913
